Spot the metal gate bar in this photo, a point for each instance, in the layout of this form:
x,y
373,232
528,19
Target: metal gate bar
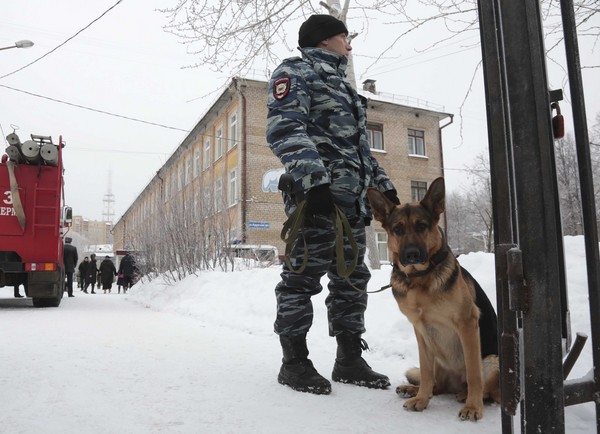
x,y
504,223
538,215
587,199
530,267
513,30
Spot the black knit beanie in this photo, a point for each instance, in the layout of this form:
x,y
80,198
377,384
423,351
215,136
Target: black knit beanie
x,y
319,27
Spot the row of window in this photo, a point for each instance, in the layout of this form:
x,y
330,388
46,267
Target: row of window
x,y
232,191
219,144
190,168
416,139
212,198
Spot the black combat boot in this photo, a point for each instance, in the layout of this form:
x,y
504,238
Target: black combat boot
x,y
297,371
351,368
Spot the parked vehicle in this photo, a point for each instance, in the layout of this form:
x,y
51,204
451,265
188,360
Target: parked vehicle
x,y
262,253
33,218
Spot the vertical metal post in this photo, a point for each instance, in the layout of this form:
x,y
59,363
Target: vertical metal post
x,y
587,185
530,278
537,214
502,198
524,177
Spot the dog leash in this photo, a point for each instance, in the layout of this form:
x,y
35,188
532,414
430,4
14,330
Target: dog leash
x,y
383,288
295,224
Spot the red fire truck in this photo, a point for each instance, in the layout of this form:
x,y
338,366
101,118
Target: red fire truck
x,y
33,219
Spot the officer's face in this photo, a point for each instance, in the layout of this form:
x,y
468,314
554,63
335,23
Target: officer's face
x,y
338,44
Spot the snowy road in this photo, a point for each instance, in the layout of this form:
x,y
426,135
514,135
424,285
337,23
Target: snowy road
x,y
102,364
109,364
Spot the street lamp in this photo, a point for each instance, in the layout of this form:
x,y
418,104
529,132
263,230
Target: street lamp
x,y
19,44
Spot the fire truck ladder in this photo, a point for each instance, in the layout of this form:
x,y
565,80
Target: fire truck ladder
x,y
45,208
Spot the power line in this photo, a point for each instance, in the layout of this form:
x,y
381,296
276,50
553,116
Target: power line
x,y
382,70
118,151
93,109
60,45
78,105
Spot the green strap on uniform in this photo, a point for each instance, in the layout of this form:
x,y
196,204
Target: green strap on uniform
x,y
295,223
342,225
291,226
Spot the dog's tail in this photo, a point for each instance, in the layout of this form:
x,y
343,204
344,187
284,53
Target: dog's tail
x,y
413,375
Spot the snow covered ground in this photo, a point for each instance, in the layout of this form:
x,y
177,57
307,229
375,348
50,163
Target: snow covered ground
x,y
200,356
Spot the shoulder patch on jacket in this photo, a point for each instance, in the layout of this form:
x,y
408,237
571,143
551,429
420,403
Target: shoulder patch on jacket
x,y
281,88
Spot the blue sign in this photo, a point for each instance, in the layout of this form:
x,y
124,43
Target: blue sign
x,y
259,225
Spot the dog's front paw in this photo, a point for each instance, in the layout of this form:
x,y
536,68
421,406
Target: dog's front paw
x,y
407,390
461,396
416,404
471,412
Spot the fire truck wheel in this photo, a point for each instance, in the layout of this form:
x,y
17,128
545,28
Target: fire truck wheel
x,y
46,302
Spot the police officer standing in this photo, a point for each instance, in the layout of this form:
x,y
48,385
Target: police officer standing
x,y
69,260
316,126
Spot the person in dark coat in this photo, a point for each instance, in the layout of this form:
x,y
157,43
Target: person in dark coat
x,y
90,274
107,273
127,268
82,270
69,261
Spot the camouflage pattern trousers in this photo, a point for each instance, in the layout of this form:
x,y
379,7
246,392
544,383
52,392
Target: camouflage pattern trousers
x,y
346,305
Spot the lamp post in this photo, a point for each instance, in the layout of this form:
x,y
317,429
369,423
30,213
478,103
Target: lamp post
x,y
19,44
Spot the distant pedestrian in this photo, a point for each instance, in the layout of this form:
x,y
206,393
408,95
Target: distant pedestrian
x,y
69,261
108,271
128,269
82,270
120,281
91,274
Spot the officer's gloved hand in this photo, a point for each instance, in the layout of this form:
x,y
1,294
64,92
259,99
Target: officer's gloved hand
x,y
392,195
319,201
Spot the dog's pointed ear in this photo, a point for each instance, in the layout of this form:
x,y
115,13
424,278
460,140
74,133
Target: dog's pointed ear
x,y
435,199
380,205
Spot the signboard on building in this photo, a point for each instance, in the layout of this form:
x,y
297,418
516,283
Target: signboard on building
x,y
259,225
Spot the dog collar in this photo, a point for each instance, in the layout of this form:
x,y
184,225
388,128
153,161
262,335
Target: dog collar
x,y
434,261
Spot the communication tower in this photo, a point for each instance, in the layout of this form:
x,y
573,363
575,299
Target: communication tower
x,y
108,213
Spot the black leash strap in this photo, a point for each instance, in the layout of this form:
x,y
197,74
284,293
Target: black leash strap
x,y
383,288
295,224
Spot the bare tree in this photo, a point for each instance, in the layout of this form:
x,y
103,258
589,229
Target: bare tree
x,y
193,235
470,214
237,36
228,35
595,133
480,200
568,185
461,224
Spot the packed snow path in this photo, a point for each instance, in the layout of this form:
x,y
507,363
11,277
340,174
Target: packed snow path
x,y
123,364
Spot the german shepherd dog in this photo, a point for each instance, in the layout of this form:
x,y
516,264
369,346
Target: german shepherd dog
x,y
454,321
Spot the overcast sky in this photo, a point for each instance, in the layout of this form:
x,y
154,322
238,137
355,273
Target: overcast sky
x,y
126,65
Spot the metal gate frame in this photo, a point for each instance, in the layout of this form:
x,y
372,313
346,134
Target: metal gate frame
x,y
530,267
